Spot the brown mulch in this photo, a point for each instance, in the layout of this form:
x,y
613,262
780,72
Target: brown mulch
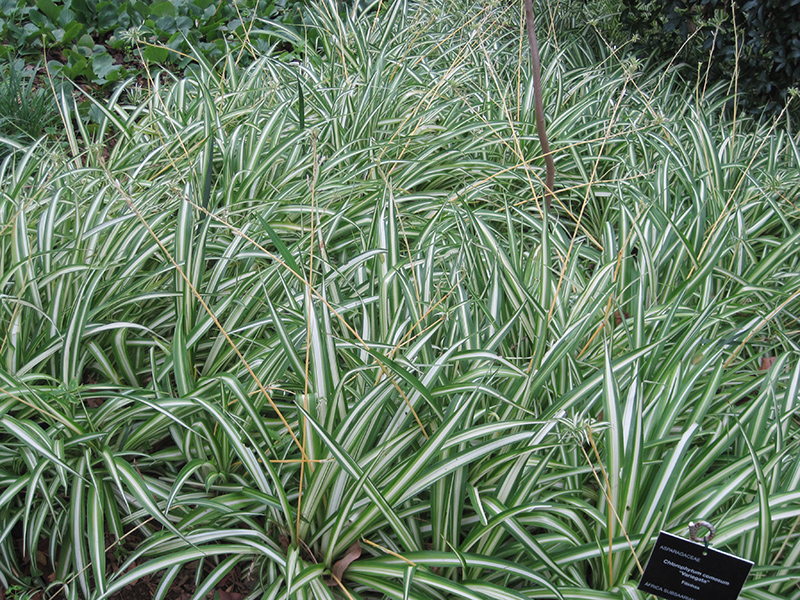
x,y
234,586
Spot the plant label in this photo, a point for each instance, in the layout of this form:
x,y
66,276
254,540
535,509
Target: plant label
x,y
679,569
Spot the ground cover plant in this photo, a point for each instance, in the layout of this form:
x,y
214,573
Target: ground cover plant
x,y
100,44
303,330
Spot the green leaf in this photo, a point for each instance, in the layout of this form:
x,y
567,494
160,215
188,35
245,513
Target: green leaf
x,y
156,54
103,66
109,17
162,9
72,30
86,41
39,21
49,8
66,16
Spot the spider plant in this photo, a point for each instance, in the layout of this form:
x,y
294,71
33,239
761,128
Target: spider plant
x,y
307,320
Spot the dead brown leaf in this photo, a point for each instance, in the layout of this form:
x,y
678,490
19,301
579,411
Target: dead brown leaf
x,y
767,362
340,566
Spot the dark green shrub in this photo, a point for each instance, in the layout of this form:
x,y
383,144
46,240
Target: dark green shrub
x,y
764,33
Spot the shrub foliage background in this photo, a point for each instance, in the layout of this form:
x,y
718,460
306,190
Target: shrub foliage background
x,y
275,315
758,39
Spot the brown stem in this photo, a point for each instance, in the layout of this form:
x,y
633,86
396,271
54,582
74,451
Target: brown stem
x,y
539,106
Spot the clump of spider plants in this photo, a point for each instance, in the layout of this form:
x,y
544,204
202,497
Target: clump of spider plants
x,y
27,108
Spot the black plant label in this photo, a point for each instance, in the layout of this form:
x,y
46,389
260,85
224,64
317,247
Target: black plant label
x,y
679,569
